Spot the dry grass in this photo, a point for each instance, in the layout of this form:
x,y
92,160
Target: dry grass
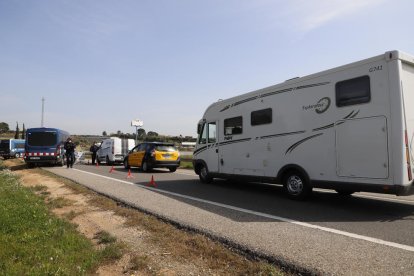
x,y
71,215
188,246
59,202
104,237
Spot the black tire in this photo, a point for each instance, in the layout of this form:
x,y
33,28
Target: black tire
x,y
204,175
145,167
172,169
126,165
17,155
108,163
62,162
296,185
344,192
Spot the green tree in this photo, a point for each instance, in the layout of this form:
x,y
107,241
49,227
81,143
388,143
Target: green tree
x,y
141,133
152,133
4,127
23,132
16,135
104,133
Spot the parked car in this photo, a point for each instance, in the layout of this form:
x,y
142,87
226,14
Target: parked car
x,y
113,150
150,155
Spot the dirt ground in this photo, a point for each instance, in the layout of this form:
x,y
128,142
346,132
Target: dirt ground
x,y
142,257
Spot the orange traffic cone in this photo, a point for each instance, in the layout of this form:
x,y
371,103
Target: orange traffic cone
x,y
129,174
152,182
111,170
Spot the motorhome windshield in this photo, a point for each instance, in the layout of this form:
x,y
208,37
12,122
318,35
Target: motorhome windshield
x,y
47,138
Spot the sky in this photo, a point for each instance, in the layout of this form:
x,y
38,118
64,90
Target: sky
x,y
101,63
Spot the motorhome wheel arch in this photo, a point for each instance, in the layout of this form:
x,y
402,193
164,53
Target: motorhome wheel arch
x,y
350,129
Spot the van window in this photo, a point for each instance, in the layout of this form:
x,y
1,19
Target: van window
x,y
203,135
233,125
261,117
212,133
19,145
353,91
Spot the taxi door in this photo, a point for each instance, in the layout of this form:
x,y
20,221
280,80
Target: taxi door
x,y
134,157
140,154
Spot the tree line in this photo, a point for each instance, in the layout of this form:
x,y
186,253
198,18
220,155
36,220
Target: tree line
x,y
150,136
4,128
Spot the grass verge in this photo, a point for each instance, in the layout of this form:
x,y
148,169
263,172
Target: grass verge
x,y
181,246
34,242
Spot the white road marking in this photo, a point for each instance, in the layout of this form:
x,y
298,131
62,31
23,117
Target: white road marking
x,y
386,198
247,211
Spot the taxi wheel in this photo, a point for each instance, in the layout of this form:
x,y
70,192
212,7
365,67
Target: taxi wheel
x,y
126,165
145,167
172,169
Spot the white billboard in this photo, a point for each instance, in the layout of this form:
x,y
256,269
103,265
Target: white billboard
x,y
137,123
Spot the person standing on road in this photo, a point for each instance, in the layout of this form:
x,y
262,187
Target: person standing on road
x,y
70,152
94,149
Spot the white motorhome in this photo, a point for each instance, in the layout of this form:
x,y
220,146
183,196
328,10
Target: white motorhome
x,y
113,150
349,129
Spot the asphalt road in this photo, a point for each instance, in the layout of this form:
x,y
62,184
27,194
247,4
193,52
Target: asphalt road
x,y
328,234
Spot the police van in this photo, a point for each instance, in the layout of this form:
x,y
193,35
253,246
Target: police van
x,y
349,129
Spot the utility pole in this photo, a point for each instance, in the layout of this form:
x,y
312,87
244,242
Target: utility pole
x,y
43,109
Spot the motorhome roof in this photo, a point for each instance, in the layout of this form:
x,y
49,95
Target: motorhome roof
x,y
389,55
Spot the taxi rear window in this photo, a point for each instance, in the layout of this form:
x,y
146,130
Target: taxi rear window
x,y
165,148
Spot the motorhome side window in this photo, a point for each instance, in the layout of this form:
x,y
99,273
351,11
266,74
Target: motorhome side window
x,y
233,125
203,135
261,117
353,91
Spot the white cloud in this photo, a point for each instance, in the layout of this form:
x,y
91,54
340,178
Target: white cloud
x,y
305,15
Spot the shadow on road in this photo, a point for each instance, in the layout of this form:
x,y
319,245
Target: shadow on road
x,y
270,199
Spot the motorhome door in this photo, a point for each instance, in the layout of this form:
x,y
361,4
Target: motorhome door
x,y
209,137
362,148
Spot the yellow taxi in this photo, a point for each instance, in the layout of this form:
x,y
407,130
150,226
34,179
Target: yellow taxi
x,y
149,155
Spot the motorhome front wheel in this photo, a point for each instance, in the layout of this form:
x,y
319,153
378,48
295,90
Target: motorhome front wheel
x,y
296,186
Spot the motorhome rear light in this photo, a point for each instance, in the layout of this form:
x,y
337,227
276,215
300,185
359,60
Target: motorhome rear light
x,y
407,156
406,138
